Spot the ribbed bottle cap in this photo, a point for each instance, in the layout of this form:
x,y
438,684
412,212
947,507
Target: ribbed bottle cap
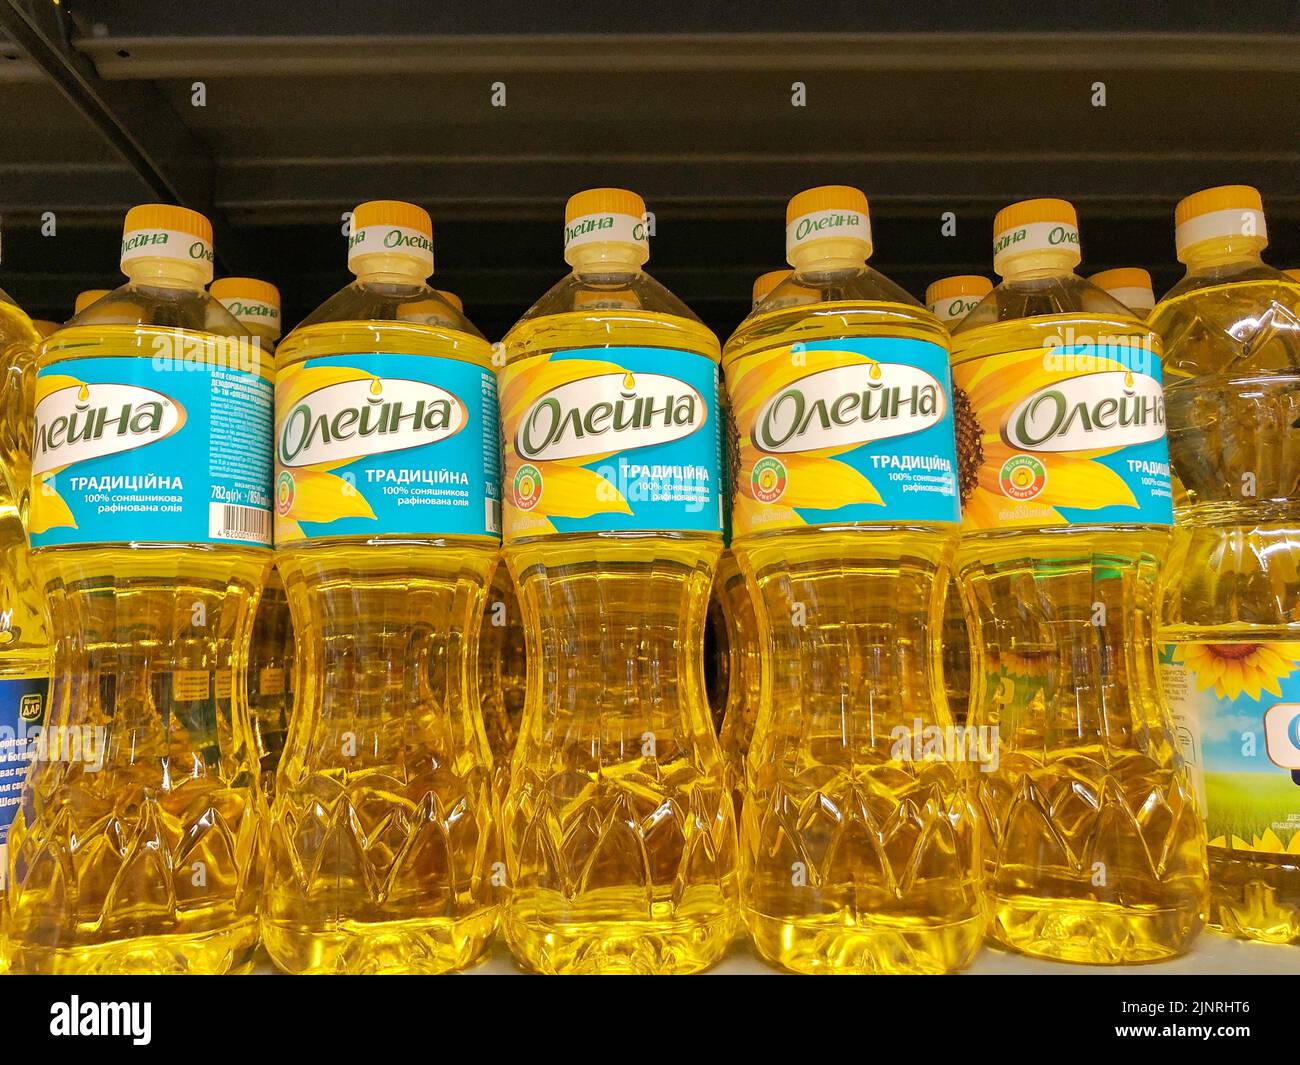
x,y
951,298
765,283
252,302
605,216
824,213
163,231
1224,211
1035,225
392,227
1131,285
85,299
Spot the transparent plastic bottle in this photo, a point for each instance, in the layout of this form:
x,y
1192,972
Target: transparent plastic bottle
x,y
1231,617
950,299
140,843
44,327
24,635
620,834
255,305
1130,285
731,598
859,853
88,298
384,847
1094,850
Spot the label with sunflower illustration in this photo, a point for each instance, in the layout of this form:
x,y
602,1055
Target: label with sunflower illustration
x,y
125,451
850,429
385,443
611,439
1236,707
1063,435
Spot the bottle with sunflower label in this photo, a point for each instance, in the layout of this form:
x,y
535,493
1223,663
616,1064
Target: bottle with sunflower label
x,y
255,305
384,850
140,843
732,601
1094,851
859,843
620,833
950,299
1231,617
1131,285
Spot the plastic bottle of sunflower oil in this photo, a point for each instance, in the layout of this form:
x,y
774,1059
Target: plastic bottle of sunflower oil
x,y
24,640
620,834
1231,618
1094,849
256,306
139,846
384,848
731,599
44,327
859,844
950,299
1131,285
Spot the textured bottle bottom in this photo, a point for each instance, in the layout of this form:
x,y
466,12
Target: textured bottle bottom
x,y
229,949
1090,932
362,948
1255,899
866,945
550,934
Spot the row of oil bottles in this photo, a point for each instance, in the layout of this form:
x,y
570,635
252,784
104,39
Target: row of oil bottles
x,y
394,785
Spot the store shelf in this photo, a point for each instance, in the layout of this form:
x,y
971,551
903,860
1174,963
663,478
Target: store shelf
x,y
1212,954
310,109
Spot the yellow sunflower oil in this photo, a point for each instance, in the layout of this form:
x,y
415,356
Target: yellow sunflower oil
x,y
731,599
44,327
859,843
384,852
88,298
1130,285
1094,849
255,305
140,843
950,299
24,640
1231,618
619,831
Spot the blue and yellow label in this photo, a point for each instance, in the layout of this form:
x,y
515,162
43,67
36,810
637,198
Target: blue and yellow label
x,y
379,444
139,449
853,429
1062,435
612,439
1236,708
22,714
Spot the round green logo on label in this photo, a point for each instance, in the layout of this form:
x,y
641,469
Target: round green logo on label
x,y
284,492
768,479
527,486
1022,477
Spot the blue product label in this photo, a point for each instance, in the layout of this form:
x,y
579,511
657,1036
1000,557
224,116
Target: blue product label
x,y
381,444
22,712
854,429
141,449
1064,434
612,439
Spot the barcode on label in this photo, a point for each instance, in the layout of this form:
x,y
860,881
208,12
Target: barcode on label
x,y
492,514
227,521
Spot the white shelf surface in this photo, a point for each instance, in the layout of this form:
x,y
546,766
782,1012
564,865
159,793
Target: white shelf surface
x,y
1213,954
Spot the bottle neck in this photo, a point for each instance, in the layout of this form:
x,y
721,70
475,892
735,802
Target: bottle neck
x,y
390,270
1212,255
167,273
599,258
1031,265
834,255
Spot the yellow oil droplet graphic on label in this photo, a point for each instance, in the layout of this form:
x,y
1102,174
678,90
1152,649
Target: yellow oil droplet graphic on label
x,y
629,381
874,372
83,394
376,387
1128,378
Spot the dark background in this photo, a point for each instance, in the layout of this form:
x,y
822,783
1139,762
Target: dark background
x,y
313,107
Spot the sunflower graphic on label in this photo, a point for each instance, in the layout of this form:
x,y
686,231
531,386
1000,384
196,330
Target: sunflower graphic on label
x,y
1063,435
855,429
609,439
1236,709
